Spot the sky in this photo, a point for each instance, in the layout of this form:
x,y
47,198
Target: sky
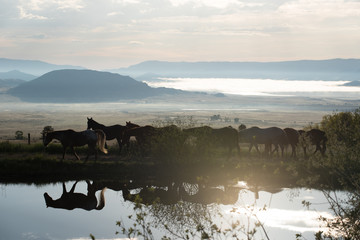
x,y
106,34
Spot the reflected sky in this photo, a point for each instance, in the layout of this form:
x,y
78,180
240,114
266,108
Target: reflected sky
x,y
25,216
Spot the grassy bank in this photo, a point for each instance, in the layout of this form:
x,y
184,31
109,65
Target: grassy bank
x,y
33,163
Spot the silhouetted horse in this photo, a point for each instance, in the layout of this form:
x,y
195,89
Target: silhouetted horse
x,y
142,135
316,137
131,125
267,136
71,200
111,132
293,139
151,195
70,138
225,137
208,195
147,135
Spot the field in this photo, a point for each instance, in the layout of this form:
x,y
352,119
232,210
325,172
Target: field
x,y
251,111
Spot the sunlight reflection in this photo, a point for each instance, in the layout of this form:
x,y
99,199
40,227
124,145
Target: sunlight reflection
x,y
258,87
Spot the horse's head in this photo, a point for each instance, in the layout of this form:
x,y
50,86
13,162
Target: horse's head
x,y
131,125
90,122
242,127
46,139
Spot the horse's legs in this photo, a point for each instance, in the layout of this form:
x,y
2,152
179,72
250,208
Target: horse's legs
x,y
257,147
238,149
305,155
91,149
75,154
251,145
293,151
73,187
64,151
119,143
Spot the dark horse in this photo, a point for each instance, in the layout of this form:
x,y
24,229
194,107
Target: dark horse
x,y
314,137
142,135
70,138
267,136
111,132
293,139
131,125
71,200
148,135
225,137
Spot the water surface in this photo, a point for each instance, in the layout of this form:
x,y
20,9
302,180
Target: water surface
x,y
24,214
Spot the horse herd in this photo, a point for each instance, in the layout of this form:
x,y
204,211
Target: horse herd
x,y
229,137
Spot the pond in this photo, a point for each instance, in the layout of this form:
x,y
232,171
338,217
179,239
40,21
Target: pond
x,y
28,213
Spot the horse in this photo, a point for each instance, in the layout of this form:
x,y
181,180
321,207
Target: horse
x,y
70,138
131,125
226,136
293,139
267,136
142,135
316,137
111,132
71,200
147,135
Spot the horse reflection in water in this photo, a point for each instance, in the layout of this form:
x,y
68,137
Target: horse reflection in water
x,y
208,195
70,138
192,193
151,195
71,200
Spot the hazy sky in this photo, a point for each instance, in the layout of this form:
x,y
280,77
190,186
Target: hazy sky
x,y
103,34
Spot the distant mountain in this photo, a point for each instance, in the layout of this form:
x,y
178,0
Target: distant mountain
x,y
84,86
33,67
14,74
9,83
333,69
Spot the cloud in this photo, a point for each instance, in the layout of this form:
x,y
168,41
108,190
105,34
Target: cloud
x,y
25,15
136,43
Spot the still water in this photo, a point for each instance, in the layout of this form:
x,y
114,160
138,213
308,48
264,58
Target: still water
x,y
25,215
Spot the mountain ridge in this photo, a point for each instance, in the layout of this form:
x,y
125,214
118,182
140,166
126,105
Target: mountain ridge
x,y
33,67
71,85
331,69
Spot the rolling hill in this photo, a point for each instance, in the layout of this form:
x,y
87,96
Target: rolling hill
x,y
64,86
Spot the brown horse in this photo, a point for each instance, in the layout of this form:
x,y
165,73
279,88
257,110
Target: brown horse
x,y
70,138
111,132
71,200
314,137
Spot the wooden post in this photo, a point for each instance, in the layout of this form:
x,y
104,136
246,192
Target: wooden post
x,y
29,138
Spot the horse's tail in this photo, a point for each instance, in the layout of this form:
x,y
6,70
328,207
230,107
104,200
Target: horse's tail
x,y
101,138
101,204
